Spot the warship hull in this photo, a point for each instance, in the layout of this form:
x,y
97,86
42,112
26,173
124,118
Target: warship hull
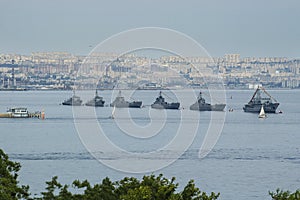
x,y
165,106
160,103
134,104
95,104
255,108
261,99
97,101
207,107
120,102
71,103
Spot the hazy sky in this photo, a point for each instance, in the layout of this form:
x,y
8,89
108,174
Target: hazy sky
x,y
252,28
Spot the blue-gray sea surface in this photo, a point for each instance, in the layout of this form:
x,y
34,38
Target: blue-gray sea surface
x,y
251,157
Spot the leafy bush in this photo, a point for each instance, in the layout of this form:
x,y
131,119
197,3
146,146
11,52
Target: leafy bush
x,y
129,188
285,195
9,189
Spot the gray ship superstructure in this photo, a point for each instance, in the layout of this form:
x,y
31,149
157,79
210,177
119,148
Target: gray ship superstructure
x,y
160,103
201,105
257,101
97,101
73,101
120,102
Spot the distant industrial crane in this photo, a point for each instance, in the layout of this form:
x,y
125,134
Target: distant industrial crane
x,y
10,81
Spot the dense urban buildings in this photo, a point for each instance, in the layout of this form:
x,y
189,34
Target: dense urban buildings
x,y
60,70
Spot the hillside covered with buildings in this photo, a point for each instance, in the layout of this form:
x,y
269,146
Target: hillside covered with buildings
x,y
60,70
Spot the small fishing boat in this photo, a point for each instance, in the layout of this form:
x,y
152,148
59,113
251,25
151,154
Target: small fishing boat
x,y
21,112
18,112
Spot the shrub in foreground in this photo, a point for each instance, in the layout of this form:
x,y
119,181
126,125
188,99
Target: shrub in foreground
x,y
129,188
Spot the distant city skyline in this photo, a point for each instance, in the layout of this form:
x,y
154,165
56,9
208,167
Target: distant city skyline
x,y
58,70
249,28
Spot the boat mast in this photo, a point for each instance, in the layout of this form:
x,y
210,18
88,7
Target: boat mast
x,y
268,94
254,94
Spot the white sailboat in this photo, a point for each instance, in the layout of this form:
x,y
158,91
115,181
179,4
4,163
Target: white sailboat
x,y
113,112
262,113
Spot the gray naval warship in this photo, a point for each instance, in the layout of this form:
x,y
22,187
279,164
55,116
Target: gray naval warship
x,y
73,101
120,102
160,103
97,101
201,105
257,101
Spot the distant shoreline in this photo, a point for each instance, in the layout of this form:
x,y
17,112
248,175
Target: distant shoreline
x,y
37,89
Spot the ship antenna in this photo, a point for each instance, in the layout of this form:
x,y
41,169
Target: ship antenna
x,y
166,96
200,95
268,94
210,96
132,98
258,88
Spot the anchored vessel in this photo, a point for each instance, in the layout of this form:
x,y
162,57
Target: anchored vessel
x,y
73,101
120,102
201,105
97,101
257,101
20,112
151,86
160,103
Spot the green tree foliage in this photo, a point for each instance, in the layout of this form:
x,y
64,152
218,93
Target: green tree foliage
x,y
191,192
9,188
149,188
129,188
285,195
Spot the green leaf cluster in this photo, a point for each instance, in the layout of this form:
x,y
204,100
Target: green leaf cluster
x,y
285,195
150,187
9,188
129,188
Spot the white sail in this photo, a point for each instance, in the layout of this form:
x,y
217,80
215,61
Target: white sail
x,y
113,112
262,113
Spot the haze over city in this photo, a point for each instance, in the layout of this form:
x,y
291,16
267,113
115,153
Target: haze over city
x,y
250,28
160,99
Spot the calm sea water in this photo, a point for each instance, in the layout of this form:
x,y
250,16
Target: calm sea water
x,y
251,157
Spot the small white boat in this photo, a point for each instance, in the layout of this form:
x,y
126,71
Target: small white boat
x,y
262,113
18,112
21,112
